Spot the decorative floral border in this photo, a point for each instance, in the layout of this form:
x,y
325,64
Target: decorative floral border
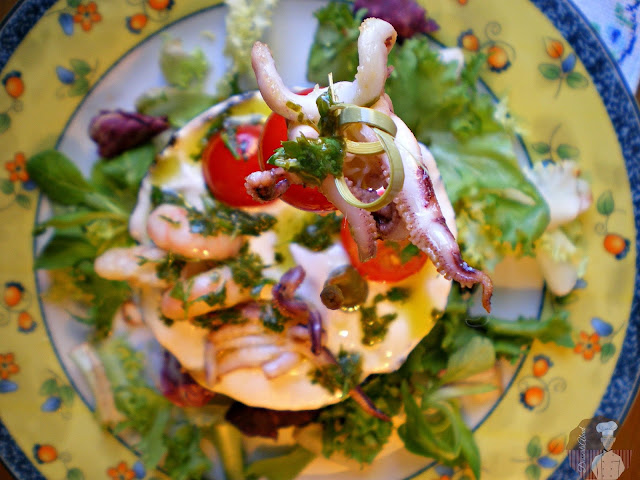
x,y
625,116
619,104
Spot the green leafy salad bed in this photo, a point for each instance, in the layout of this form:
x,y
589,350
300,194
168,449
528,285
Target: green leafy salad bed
x,y
468,135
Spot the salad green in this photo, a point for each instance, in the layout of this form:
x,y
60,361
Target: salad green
x,y
497,215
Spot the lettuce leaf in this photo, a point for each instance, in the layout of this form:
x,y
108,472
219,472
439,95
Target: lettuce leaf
x,y
180,68
166,436
335,45
500,210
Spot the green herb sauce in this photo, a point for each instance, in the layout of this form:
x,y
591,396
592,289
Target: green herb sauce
x,y
341,377
374,326
317,234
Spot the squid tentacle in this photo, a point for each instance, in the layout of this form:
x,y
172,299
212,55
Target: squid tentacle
x,y
285,301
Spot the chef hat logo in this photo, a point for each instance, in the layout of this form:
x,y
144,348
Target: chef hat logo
x,y
607,428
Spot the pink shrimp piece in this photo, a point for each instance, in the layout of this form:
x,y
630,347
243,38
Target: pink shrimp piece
x,y
168,227
206,292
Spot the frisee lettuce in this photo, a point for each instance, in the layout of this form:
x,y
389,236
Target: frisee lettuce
x,y
166,436
183,97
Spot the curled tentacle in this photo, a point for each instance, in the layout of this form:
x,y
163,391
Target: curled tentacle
x,y
267,185
376,39
358,395
276,94
428,230
389,222
367,405
288,305
361,222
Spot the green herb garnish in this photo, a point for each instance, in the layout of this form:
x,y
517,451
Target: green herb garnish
x,y
340,377
317,235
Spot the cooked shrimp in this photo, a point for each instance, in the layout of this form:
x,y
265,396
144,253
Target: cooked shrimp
x,y
212,290
168,227
136,265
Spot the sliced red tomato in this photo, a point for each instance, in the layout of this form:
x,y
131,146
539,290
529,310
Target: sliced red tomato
x,y
225,172
394,261
304,198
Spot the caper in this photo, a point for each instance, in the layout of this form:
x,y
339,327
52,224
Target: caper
x,y
344,288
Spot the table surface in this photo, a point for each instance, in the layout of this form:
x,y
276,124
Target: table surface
x,y
629,434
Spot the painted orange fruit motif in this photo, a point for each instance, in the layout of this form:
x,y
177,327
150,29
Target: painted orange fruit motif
x,y
533,397
26,323
541,366
13,293
137,22
556,445
14,86
614,243
499,53
497,57
45,453
554,48
159,4
470,42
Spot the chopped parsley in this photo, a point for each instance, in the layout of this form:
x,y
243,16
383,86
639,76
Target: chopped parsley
x,y
374,326
317,234
311,158
216,297
405,253
217,217
272,319
169,267
246,269
340,377
217,319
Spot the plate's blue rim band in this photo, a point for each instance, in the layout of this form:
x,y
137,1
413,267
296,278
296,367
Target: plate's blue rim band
x,y
625,117
15,459
622,109
15,26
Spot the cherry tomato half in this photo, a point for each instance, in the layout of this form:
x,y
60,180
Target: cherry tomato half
x,y
225,173
394,261
304,198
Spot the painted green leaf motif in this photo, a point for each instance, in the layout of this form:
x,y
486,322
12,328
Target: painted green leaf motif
x,y
49,387
81,67
66,394
549,71
75,474
534,447
79,87
608,350
532,472
6,186
605,204
5,122
567,152
577,80
23,200
74,3
540,147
